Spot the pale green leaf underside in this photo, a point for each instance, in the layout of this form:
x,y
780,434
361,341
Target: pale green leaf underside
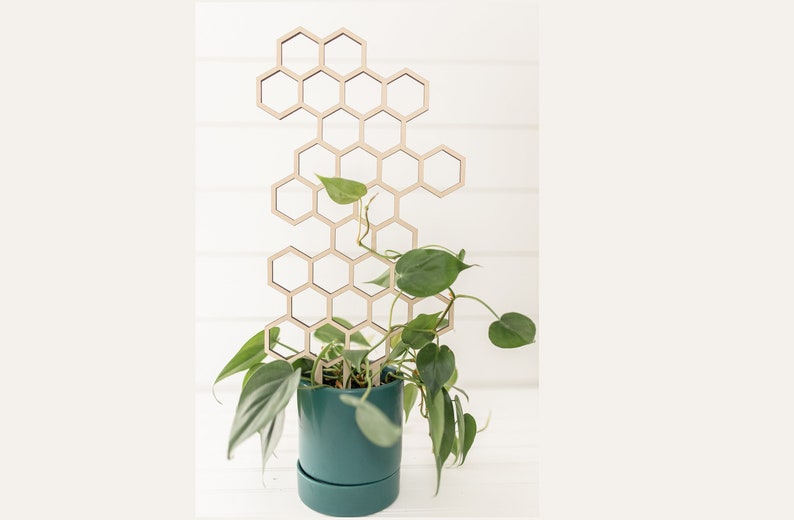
x,y
373,423
264,396
410,394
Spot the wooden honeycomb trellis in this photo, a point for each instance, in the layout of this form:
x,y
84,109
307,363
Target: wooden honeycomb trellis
x,y
392,184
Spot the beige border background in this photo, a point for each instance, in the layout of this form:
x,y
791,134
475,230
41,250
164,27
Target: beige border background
x,y
665,275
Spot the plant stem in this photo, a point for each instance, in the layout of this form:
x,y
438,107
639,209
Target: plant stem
x,y
317,361
405,377
391,309
378,344
368,375
422,409
480,301
360,238
288,347
446,311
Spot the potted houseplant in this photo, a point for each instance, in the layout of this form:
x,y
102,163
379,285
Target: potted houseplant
x,y
350,409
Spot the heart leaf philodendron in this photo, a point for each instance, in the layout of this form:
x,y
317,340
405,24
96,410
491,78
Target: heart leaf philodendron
x,y
343,191
427,272
435,365
414,352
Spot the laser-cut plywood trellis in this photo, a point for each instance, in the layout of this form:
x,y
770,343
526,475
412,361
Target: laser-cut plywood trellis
x,y
372,104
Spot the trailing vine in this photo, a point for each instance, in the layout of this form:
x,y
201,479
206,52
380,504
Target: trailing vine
x,y
417,355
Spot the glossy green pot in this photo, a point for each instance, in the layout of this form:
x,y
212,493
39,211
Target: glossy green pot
x,y
340,472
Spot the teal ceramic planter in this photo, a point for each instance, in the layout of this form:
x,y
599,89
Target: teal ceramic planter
x,y
340,472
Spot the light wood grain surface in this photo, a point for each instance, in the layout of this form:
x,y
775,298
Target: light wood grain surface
x,y
499,479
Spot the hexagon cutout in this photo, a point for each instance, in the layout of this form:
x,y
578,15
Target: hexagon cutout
x,y
395,236
312,236
367,269
400,171
383,205
442,171
309,306
330,273
351,307
330,211
341,129
292,200
346,239
344,52
408,94
315,159
382,307
382,131
291,340
358,165
373,335
316,345
429,305
277,93
320,92
364,93
289,270
299,51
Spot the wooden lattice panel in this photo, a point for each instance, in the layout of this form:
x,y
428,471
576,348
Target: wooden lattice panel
x,y
373,118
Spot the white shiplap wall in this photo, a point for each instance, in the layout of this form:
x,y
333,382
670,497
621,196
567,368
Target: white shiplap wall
x,y
481,61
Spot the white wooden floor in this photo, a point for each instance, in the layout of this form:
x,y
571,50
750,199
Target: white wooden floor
x,y
499,479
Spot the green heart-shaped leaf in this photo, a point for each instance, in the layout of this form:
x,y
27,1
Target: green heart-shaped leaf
x,y
354,357
425,272
452,380
449,429
420,330
383,280
410,393
512,330
350,400
373,423
251,353
436,365
435,416
458,447
330,334
304,365
471,432
398,350
264,396
442,429
343,191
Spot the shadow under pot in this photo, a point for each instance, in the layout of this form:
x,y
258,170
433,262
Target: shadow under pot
x,y
340,472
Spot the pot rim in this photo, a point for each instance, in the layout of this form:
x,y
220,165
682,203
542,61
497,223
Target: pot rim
x,y
386,370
